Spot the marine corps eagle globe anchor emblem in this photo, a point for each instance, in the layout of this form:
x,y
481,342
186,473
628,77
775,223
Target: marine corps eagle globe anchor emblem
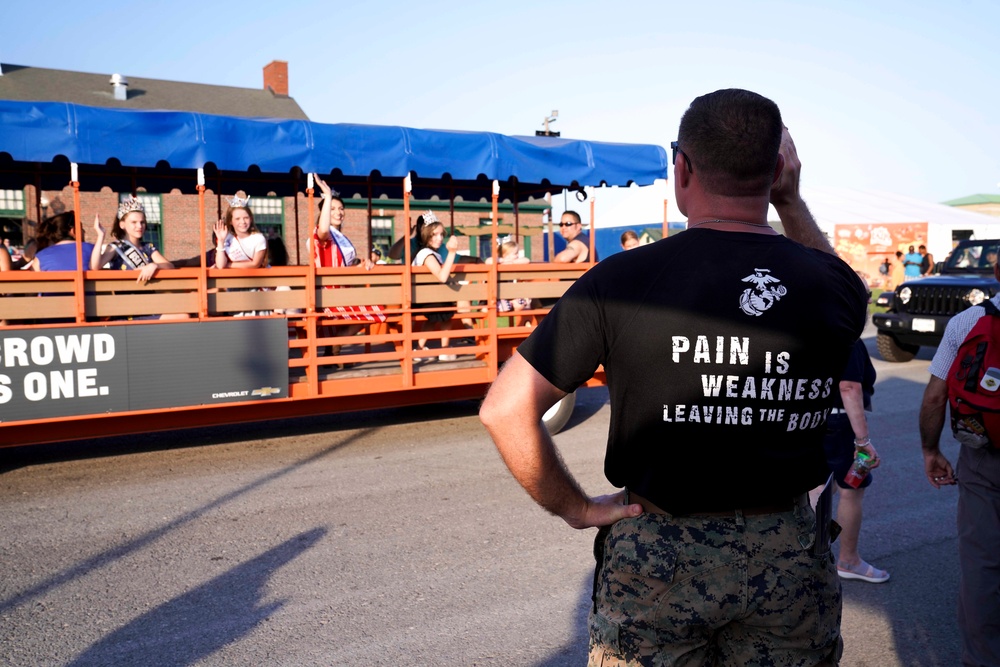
x,y
754,301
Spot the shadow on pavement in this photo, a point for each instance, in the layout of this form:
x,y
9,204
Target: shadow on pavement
x,y
193,626
918,604
113,554
574,652
13,458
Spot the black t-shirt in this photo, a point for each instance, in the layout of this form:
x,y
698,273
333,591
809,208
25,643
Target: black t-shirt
x,y
859,369
722,350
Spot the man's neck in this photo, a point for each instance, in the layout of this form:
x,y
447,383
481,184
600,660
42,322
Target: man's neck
x,y
715,207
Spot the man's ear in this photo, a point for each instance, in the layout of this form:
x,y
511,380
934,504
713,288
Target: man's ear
x,y
778,168
682,175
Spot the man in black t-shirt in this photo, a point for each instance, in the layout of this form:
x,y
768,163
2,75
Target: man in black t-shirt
x,y
577,248
721,377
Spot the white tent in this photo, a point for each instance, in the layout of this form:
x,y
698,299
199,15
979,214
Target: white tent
x,y
841,206
621,206
643,206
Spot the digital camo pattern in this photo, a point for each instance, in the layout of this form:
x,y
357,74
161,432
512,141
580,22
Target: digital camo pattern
x,y
715,591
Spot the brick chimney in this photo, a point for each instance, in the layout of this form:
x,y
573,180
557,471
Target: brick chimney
x,y
276,77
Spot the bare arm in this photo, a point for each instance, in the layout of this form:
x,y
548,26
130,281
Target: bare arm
x,y
257,262
147,272
221,260
932,413
397,250
161,261
323,227
853,399
97,259
795,217
512,414
5,263
575,251
443,271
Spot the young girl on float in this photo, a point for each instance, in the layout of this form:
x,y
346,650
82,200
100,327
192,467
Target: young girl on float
x,y
238,243
431,238
510,253
127,252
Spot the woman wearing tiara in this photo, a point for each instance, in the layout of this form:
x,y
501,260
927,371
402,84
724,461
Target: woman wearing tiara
x,y
330,248
127,252
238,243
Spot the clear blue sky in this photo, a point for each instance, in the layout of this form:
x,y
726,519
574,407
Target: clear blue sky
x,y
894,96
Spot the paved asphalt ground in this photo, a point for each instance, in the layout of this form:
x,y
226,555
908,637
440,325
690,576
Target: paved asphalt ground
x,y
384,538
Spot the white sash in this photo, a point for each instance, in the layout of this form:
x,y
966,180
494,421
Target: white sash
x,y
234,250
346,248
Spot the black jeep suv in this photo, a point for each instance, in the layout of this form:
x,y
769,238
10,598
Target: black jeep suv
x,y
920,308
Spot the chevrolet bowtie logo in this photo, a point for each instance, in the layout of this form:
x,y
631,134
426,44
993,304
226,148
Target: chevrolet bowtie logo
x,y
266,391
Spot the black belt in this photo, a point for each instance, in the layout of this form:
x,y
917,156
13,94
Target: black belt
x,y
754,510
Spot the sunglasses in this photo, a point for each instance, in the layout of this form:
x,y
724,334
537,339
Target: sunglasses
x,y
569,224
675,148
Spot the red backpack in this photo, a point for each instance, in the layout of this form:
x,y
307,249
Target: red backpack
x,y
974,383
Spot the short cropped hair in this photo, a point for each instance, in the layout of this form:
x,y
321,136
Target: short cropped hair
x,y
732,138
629,235
575,216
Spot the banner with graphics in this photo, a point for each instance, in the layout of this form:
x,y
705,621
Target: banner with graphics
x,y
865,246
61,372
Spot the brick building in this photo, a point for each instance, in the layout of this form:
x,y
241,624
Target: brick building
x,y
174,217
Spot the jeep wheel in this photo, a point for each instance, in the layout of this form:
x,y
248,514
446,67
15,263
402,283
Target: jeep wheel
x,y
555,418
893,351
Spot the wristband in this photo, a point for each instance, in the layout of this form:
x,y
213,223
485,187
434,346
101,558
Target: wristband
x,y
862,442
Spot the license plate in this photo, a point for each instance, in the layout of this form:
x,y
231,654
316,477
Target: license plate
x,y
920,324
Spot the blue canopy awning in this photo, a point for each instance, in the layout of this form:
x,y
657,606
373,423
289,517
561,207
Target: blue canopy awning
x,y
167,141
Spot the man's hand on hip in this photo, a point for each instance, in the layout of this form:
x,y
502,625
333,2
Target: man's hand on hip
x,y
604,511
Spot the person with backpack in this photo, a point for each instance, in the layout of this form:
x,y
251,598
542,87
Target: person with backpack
x,y
964,373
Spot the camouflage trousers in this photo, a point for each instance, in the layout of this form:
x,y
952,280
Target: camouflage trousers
x,y
738,590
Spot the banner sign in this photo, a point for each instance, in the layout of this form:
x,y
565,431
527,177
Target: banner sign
x,y
866,245
61,372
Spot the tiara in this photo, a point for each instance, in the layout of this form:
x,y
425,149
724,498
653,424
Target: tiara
x,y
504,239
129,205
429,217
237,202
